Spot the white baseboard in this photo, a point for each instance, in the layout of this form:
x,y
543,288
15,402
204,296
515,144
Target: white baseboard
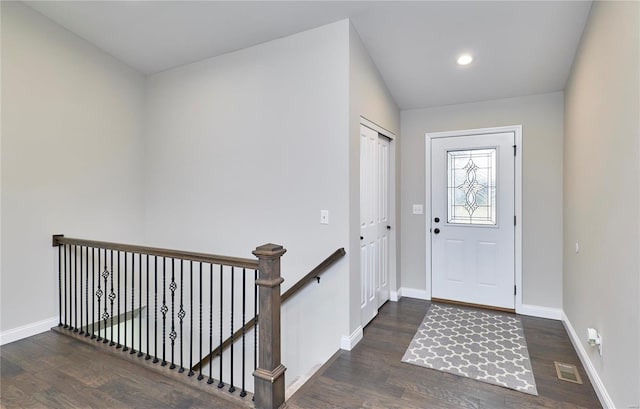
x,y
540,312
28,330
395,295
413,293
301,380
349,342
597,383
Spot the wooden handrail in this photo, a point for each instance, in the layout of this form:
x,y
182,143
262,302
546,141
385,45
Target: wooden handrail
x,y
316,272
59,240
312,275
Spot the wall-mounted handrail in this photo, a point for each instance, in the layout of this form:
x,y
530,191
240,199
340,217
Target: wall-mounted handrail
x,y
59,239
309,277
313,274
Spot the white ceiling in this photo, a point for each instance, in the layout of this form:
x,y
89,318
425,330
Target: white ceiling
x,y
521,48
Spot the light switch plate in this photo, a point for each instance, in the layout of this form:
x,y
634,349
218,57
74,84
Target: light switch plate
x,y
417,209
324,217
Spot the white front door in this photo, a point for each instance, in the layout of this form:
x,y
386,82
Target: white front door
x,y
473,219
374,222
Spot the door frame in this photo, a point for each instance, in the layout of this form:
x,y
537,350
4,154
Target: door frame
x,y
393,220
517,130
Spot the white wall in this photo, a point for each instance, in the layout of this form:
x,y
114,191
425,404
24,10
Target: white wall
x,y
368,98
247,148
541,117
71,154
217,156
602,195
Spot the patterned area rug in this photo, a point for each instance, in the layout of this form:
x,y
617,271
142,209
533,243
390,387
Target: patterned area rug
x,y
482,345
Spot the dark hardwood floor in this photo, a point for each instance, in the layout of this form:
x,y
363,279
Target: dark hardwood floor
x,y
54,371
50,370
373,376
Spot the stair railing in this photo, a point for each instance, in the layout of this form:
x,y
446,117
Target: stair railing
x,y
313,275
130,298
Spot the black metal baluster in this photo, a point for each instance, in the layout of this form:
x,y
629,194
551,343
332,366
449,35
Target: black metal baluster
x,y
164,310
70,293
65,284
191,373
155,309
124,301
81,326
140,353
86,291
78,289
60,286
105,275
232,388
255,324
119,299
112,296
133,302
71,286
99,294
243,392
210,380
148,356
255,321
83,290
181,315
75,288
93,289
221,384
173,287
200,376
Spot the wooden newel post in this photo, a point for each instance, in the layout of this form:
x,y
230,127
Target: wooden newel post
x,y
269,375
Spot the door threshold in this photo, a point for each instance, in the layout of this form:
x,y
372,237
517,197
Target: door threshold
x,y
468,304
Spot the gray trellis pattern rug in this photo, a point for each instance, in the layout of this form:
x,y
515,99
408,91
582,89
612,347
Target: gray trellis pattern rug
x,y
482,345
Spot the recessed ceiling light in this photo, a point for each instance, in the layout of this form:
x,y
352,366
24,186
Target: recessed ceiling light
x,y
465,59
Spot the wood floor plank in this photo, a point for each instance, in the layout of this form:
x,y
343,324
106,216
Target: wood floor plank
x,y
14,397
9,369
374,366
51,370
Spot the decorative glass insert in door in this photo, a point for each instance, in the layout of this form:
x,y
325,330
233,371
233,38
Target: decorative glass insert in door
x,y
471,186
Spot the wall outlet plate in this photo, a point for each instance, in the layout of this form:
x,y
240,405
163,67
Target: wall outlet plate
x,y
417,209
324,217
